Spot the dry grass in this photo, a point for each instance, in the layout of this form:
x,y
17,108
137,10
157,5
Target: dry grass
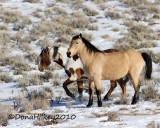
x,y
5,77
92,27
150,8
16,62
10,16
32,56
30,80
112,115
122,100
56,81
4,38
22,24
134,2
5,111
114,15
153,124
43,122
105,36
4,27
59,10
90,12
36,99
32,1
100,1
150,93
63,1
137,33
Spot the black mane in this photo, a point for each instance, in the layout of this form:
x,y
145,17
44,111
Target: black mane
x,y
91,48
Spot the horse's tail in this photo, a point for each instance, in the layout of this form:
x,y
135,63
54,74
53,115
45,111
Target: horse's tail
x,y
148,61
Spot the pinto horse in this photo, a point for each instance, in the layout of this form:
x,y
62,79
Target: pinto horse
x,y
99,65
73,68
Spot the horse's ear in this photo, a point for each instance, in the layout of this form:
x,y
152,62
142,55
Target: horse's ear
x,y
80,35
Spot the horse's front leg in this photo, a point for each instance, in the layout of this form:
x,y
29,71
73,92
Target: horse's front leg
x,y
98,91
91,87
65,84
80,89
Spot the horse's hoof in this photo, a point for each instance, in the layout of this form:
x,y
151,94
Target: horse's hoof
x,y
100,104
89,105
134,102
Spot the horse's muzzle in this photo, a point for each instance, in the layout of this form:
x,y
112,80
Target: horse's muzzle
x,y
69,54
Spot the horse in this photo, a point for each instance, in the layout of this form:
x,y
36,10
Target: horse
x,y
99,65
74,69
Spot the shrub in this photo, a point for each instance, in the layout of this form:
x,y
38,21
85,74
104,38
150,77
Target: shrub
x,y
5,111
30,80
6,77
99,1
153,124
112,115
122,100
59,10
4,38
10,16
32,56
90,12
16,62
113,15
32,1
134,2
137,33
17,71
3,27
150,93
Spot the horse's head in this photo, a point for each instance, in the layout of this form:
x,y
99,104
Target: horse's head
x,y
75,46
44,61
50,54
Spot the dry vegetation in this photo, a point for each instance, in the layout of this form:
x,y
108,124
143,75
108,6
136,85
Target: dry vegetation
x,y
114,15
150,93
37,99
32,1
138,36
34,79
5,111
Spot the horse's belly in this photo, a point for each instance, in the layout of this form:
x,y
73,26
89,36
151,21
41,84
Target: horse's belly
x,y
114,74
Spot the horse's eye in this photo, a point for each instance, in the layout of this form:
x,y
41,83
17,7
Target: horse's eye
x,y
76,42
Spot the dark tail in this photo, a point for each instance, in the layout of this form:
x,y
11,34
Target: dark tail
x,y
148,61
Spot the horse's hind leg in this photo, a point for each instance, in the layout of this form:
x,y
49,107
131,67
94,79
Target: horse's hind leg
x,y
112,87
91,87
80,89
123,86
134,80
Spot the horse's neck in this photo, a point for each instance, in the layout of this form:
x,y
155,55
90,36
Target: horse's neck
x,y
62,51
86,57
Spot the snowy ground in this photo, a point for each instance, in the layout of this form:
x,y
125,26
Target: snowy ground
x,y
129,116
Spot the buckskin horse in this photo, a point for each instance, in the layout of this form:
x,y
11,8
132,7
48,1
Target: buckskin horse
x,y
99,65
74,69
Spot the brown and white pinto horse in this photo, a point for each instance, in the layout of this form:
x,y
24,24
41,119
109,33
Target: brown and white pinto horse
x,y
99,65
73,68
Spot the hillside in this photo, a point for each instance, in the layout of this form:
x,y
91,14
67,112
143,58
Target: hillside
x,y
28,26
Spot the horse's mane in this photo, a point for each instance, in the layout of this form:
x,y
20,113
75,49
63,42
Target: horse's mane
x,y
91,48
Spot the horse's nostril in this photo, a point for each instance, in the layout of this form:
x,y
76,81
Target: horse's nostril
x,y
69,54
